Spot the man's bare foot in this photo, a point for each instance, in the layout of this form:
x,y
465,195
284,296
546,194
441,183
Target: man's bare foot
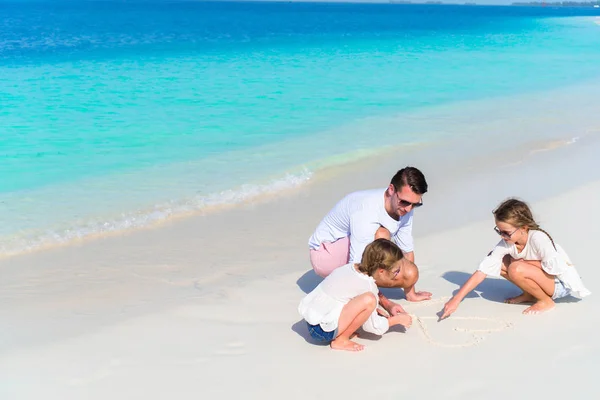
x,y
522,298
346,344
540,307
418,296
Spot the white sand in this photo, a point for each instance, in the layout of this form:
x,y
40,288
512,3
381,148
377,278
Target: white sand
x,y
206,306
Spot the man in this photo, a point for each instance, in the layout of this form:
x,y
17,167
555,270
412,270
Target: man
x,y
361,217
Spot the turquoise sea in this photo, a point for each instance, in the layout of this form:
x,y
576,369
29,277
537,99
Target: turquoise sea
x,y
119,114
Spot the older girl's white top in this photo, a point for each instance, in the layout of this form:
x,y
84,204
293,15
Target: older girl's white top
x,y
555,261
323,306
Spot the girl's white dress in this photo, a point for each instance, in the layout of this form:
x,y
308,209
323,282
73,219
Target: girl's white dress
x,y
323,306
555,261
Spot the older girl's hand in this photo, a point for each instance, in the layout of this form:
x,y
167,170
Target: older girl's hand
x,y
449,308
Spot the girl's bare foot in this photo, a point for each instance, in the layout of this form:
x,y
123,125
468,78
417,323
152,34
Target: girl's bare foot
x,y
522,298
346,344
540,307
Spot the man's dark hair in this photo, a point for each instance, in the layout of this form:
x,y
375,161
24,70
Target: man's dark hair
x,y
411,177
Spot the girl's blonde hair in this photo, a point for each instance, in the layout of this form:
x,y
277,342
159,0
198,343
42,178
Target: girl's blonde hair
x,y
518,214
380,253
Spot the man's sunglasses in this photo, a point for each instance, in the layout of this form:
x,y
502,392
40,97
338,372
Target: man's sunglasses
x,y
405,203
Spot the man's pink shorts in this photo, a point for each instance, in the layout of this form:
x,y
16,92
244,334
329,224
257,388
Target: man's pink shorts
x,y
330,256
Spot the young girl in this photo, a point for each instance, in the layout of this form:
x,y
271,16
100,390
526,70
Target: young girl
x,y
347,298
528,257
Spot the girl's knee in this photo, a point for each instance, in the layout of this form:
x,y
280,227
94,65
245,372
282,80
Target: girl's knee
x,y
516,269
369,300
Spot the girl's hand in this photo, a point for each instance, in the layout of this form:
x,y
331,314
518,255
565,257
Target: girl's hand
x,y
382,312
449,308
403,319
394,308
389,306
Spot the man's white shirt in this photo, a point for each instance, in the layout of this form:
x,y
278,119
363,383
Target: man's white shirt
x,y
358,216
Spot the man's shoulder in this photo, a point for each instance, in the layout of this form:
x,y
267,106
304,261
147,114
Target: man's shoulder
x,y
366,203
367,196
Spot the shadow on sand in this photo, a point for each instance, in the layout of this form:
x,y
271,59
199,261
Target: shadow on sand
x,y
308,281
494,289
490,289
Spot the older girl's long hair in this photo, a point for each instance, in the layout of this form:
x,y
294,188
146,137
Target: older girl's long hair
x,y
517,213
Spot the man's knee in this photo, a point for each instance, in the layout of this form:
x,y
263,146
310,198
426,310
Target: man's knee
x,y
323,263
324,268
382,233
330,256
408,276
322,272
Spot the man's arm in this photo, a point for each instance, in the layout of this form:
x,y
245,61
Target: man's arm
x,y
404,239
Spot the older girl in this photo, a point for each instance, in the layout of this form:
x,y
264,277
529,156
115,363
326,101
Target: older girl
x,y
347,298
528,257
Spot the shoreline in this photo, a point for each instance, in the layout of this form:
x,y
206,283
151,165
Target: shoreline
x,y
328,172
541,126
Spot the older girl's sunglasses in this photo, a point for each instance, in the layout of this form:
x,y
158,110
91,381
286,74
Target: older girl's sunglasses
x,y
504,233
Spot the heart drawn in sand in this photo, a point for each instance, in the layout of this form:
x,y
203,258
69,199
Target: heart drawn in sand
x,y
474,328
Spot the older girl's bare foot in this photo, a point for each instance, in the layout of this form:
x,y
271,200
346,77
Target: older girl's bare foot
x,y
346,344
540,307
522,298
